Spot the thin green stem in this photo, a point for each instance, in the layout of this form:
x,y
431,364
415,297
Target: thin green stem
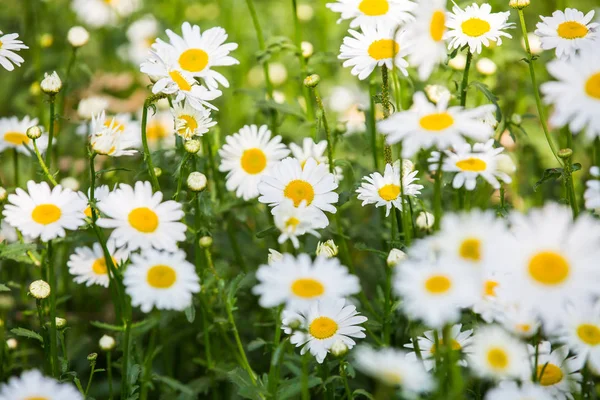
x,y
464,87
304,380
344,376
210,263
274,368
147,155
238,341
51,99
570,186
371,125
109,372
387,320
89,384
125,362
437,195
53,289
385,99
319,102
180,177
16,167
302,60
43,164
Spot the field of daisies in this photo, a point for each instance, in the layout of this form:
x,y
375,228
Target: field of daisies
x,y
299,199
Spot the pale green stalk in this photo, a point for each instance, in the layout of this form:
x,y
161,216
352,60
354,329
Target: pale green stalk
x,y
43,164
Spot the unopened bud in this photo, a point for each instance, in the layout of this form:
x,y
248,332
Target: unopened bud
x,y
425,220
157,172
92,356
205,241
516,119
107,343
307,49
505,164
436,92
61,323
70,183
327,249
78,36
192,146
39,289
274,256
565,153
395,257
12,343
51,84
3,194
312,81
339,348
519,4
34,132
196,181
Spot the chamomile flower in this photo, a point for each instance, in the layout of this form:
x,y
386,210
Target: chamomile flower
x,y
113,138
374,47
509,390
162,280
100,194
297,221
13,135
159,130
498,355
141,219
88,265
99,13
592,193
33,385
385,190
312,183
567,31
518,319
8,46
460,341
190,121
141,34
476,26
580,330
373,13
310,149
44,213
469,163
298,281
576,93
249,155
555,370
393,368
325,323
427,125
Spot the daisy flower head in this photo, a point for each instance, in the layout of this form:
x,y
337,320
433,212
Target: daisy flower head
x,y
469,163
476,26
44,213
297,221
460,341
394,368
310,149
190,121
567,31
88,265
247,156
311,183
9,44
518,319
299,282
33,385
99,13
374,47
325,323
114,136
13,135
141,35
159,130
140,219
592,193
100,194
555,370
161,279
580,330
575,94
385,190
427,125
373,13
510,390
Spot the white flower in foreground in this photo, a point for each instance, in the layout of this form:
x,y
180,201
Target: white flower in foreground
x,y
8,45
162,280
297,221
592,193
555,370
141,219
385,190
567,31
51,84
374,47
141,34
373,13
191,122
13,135
43,212
476,26
393,368
325,323
114,136
310,149
88,265
461,340
509,390
99,13
427,125
299,282
580,330
33,385
249,155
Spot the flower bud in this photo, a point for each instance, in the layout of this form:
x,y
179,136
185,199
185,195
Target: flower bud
x,y
92,356
39,289
516,119
192,146
407,166
12,343
339,348
312,81
436,92
307,49
46,40
61,323
535,43
274,256
327,249
425,220
3,194
565,153
51,84
34,132
70,183
395,257
205,242
485,66
78,36
458,63
157,172
107,343
519,4
91,106
504,163
196,181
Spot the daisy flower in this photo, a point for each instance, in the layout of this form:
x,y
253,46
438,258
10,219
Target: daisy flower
x,y
198,53
99,13
435,125
297,221
384,190
44,213
190,121
567,31
8,45
113,138
13,135
249,155
159,130
310,149
373,13
8,234
141,219
299,282
326,322
518,319
576,93
592,193
497,355
394,368
162,280
460,342
33,385
469,163
580,330
141,34
312,183
374,47
100,194
88,265
476,26
555,370
509,390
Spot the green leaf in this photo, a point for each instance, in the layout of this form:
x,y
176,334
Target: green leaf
x,y
551,174
266,232
364,393
27,333
190,313
174,384
4,288
490,96
287,109
291,388
246,388
256,344
108,327
18,252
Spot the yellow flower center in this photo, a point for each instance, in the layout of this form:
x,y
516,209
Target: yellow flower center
x,y
472,164
391,377
1,44
572,30
389,192
455,345
436,122
99,267
161,276
254,161
307,288
489,288
16,138
374,7
475,27
292,222
383,48
438,284
497,358
437,27
156,131
470,249
143,219
46,214
549,268
181,82
589,334
298,191
549,374
525,328
323,328
112,123
40,397
88,212
592,86
190,124
193,60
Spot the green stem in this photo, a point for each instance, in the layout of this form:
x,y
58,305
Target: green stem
x,y
51,99
371,125
125,362
437,195
387,306
180,178
147,155
109,371
238,341
304,381
43,164
53,289
274,368
344,376
16,168
465,81
302,60
571,196
89,384
385,99
319,102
